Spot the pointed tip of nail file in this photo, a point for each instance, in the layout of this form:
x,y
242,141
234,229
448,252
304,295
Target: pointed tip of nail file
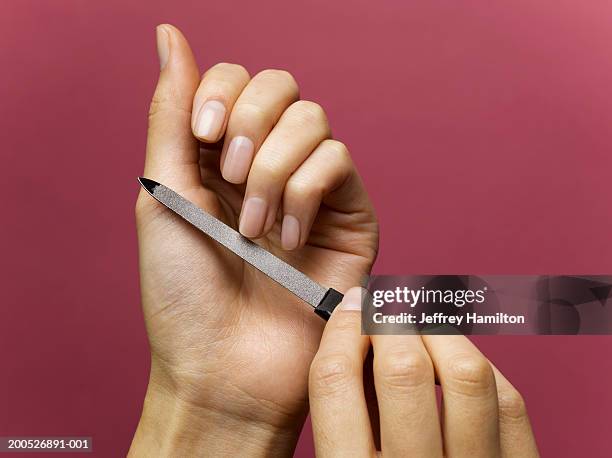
x,y
148,184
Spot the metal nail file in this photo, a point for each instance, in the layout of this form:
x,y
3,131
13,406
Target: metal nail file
x,y
324,300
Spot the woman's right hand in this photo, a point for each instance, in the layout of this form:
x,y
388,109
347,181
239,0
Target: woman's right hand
x,y
230,348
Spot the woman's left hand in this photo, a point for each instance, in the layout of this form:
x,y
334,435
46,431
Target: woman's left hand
x,y
482,414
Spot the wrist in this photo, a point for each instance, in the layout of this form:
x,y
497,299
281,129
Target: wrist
x,y
170,425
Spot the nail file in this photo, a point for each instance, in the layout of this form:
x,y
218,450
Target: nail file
x,y
324,300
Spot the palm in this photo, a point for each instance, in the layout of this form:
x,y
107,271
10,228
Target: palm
x,y
216,313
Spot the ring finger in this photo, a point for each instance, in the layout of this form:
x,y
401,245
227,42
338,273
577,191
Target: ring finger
x,y
470,422
406,395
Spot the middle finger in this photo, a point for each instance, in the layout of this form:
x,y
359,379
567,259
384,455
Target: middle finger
x,y
469,396
257,109
405,389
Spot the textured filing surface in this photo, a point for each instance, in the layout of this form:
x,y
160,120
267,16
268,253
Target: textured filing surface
x,y
278,270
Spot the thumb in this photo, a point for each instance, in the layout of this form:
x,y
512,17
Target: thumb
x,y
172,151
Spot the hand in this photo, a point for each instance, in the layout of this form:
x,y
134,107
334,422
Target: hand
x,y
482,414
230,348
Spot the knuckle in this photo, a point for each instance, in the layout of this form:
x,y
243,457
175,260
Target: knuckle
x,y
511,405
278,77
268,168
403,370
225,68
309,113
252,113
337,148
163,101
470,375
339,155
330,374
157,104
302,189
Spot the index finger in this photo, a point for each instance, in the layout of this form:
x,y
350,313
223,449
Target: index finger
x,y
219,89
338,409
470,422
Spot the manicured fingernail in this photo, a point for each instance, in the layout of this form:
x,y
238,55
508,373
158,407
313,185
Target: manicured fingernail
x,y
352,299
163,45
210,120
238,159
253,217
290,233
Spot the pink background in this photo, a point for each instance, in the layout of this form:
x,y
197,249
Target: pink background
x,y
482,131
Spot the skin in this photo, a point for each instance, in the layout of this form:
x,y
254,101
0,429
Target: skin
x,y
482,414
230,349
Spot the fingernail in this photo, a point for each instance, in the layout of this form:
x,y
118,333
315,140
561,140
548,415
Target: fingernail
x,y
163,45
290,233
238,159
210,120
352,299
253,217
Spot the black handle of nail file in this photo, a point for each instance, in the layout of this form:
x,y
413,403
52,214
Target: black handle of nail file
x,y
329,302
